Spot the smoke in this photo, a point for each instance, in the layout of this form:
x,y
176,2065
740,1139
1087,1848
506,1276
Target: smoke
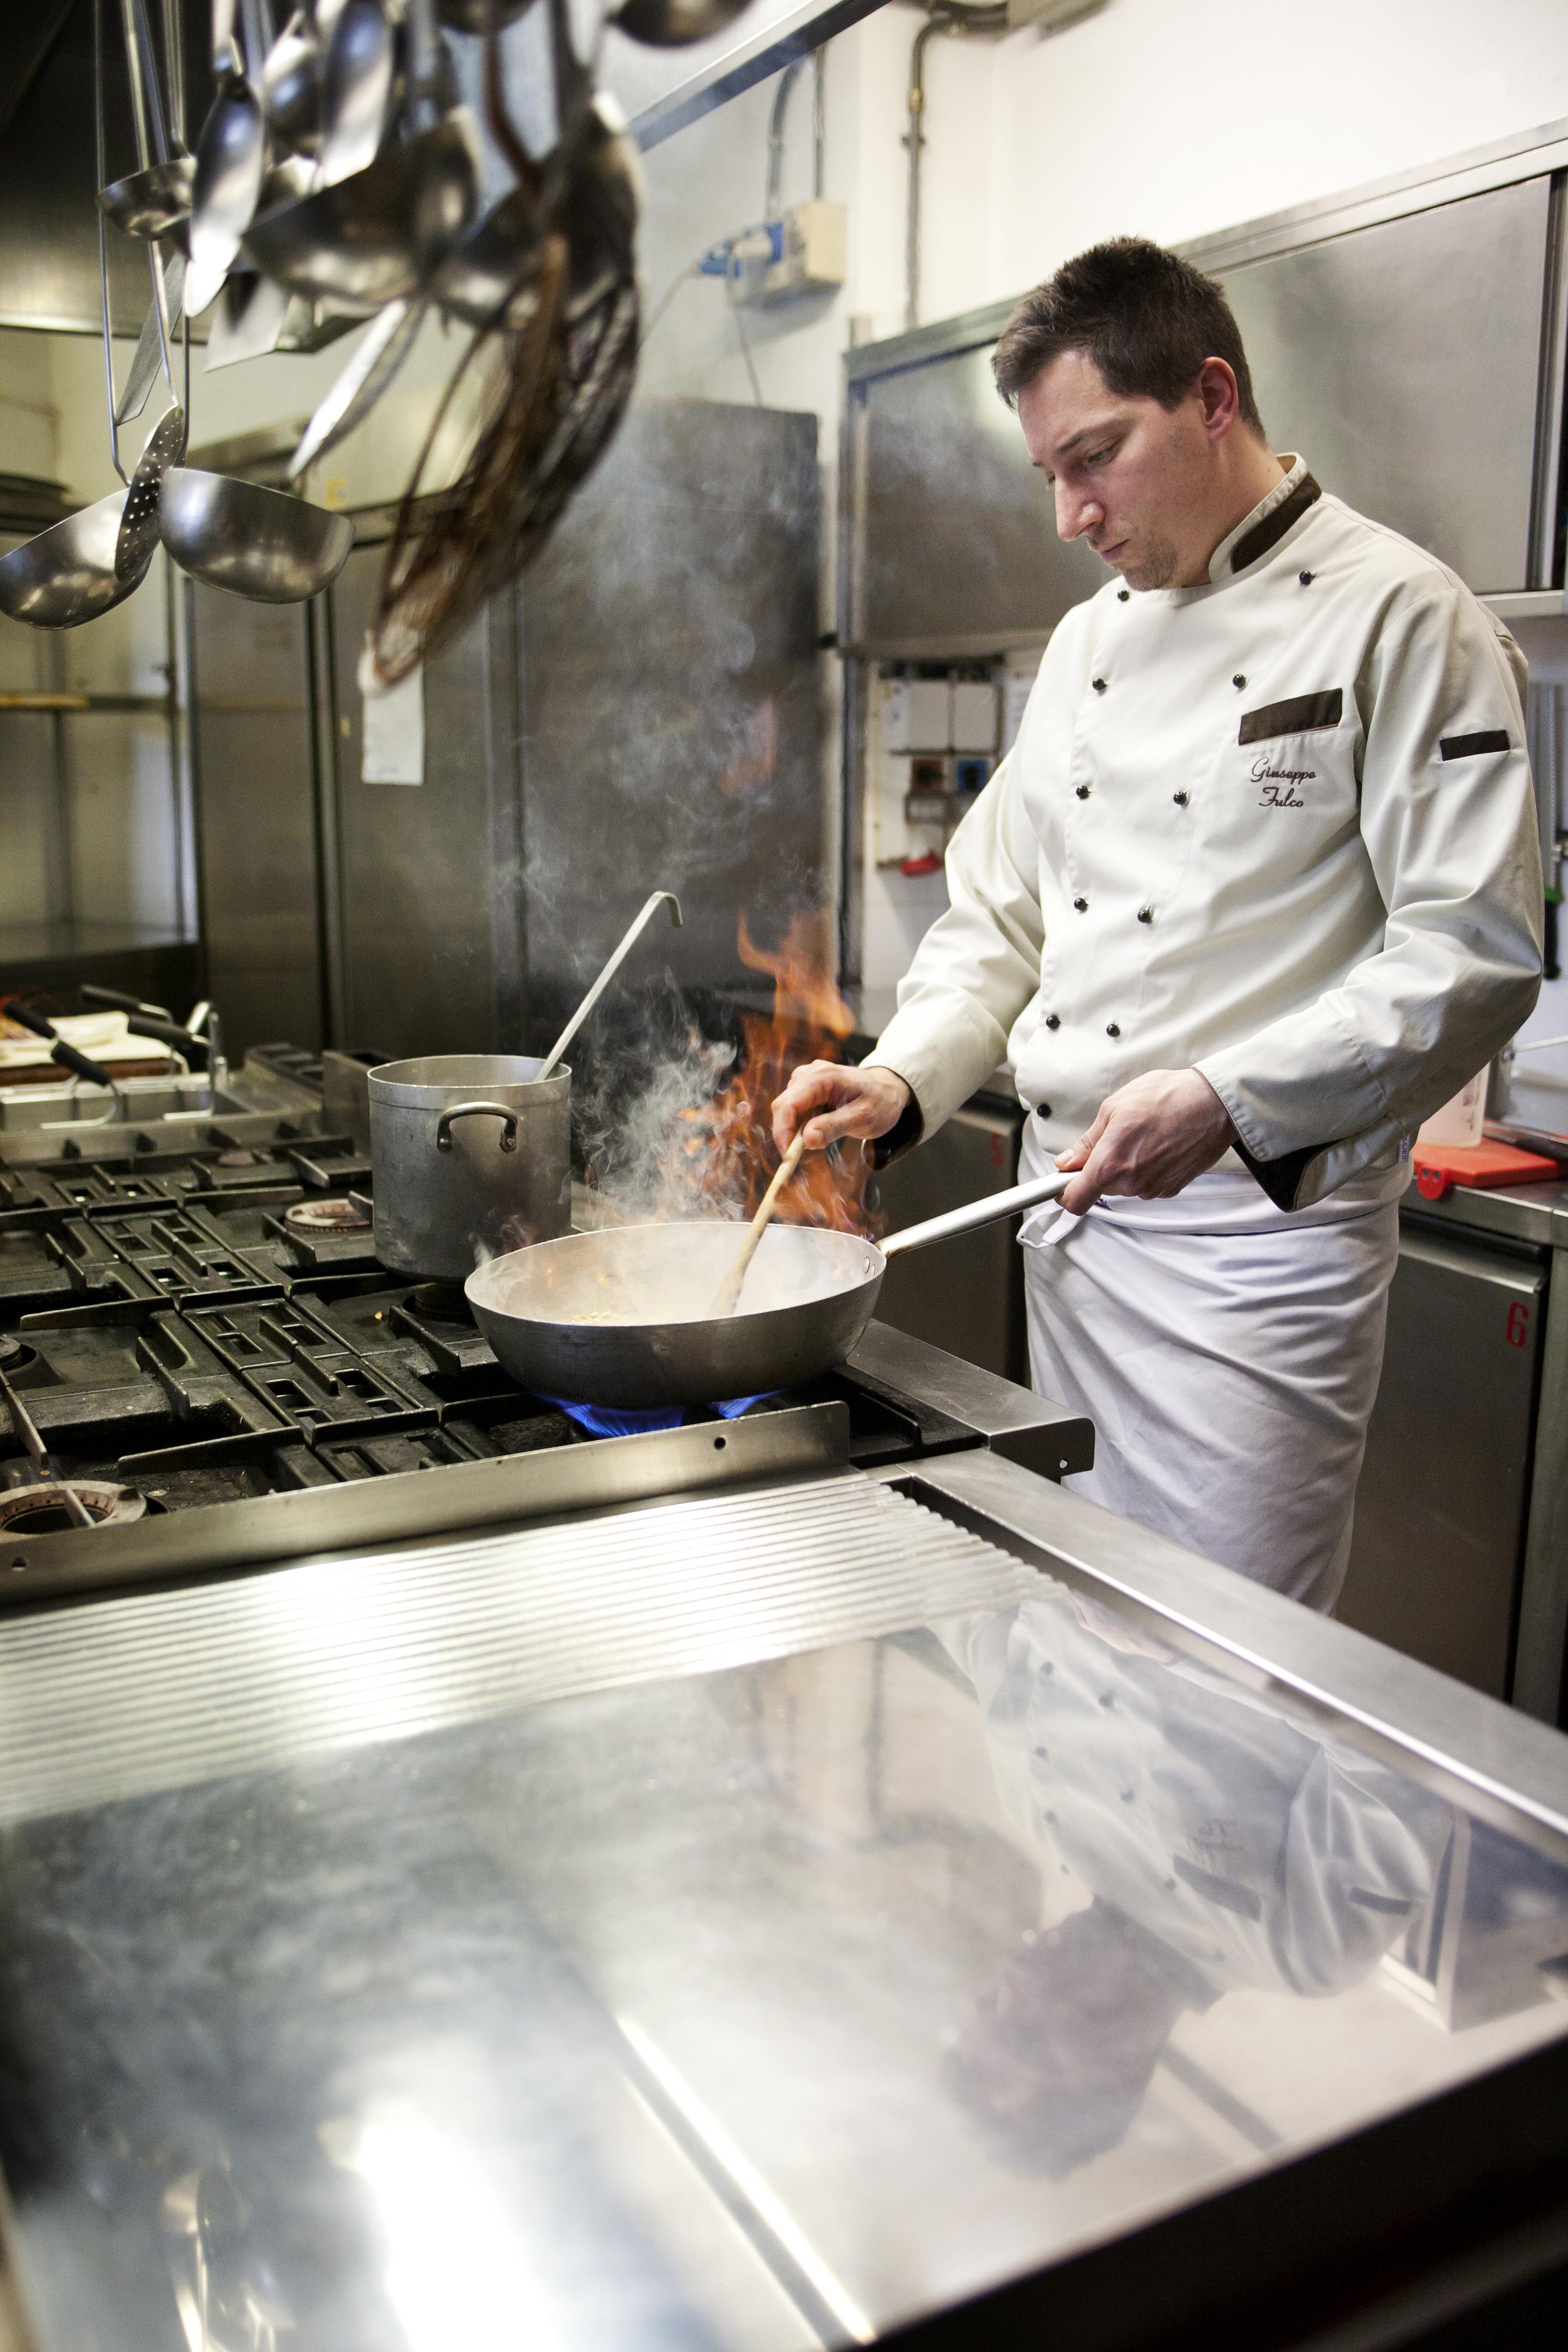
x,y
641,1074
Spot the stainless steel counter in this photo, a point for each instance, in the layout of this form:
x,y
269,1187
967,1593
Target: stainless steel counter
x,y
826,1907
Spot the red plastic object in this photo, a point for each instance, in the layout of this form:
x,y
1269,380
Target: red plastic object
x,y
927,863
1482,1167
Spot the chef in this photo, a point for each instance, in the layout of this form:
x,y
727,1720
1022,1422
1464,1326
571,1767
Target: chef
x,y
1255,890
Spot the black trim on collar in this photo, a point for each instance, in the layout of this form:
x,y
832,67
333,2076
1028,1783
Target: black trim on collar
x,y
1273,528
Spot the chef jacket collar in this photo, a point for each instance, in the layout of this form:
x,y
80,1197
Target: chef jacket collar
x,y
1271,519
1257,533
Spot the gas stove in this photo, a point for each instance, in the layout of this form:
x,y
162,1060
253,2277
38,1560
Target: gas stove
x,y
194,1334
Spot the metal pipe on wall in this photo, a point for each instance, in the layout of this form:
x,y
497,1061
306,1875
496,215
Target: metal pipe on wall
x,y
787,80
956,20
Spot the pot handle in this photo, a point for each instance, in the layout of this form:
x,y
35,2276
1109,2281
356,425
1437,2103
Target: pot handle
x,y
476,1110
983,1212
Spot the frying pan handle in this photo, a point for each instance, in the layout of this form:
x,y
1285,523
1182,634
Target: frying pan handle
x,y
68,1057
476,1110
983,1212
81,1066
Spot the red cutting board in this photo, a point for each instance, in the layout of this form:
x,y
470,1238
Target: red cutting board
x,y
1479,1166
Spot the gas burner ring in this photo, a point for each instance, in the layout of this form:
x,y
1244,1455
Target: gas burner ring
x,y
41,1510
441,1302
14,1354
334,1216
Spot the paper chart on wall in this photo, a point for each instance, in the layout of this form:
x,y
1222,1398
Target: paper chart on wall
x,y
394,731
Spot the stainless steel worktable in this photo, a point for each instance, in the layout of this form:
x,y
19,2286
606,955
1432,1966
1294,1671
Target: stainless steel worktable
x,y
819,1908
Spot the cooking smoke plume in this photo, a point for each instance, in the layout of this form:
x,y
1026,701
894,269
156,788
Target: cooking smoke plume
x,y
685,1131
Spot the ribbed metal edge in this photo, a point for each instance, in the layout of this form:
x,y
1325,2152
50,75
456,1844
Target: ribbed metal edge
x,y
122,1698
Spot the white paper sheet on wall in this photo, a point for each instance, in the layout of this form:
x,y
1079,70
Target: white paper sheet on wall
x,y
394,733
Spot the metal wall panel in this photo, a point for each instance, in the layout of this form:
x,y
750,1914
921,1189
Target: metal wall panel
x,y
254,784
672,700
1404,361
1403,358
645,710
1440,1514
428,922
952,532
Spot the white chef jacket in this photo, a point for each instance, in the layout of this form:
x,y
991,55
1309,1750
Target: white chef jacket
x,y
1279,827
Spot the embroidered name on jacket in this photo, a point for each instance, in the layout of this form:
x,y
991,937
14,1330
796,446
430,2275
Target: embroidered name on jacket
x,y
1298,716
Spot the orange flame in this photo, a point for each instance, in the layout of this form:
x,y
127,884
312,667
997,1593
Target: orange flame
x,y
727,1144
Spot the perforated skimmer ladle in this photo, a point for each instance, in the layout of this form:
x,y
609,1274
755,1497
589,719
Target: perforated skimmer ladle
x,y
86,565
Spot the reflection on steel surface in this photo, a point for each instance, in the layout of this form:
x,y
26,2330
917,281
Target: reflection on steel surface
x,y
745,2185
117,1699
737,2012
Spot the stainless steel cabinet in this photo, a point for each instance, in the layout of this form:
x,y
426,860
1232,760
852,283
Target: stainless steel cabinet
x,y
1441,1506
967,1295
1408,338
952,544
1404,360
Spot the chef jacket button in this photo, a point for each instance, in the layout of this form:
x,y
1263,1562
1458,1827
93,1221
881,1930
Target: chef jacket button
x,y
1082,791
1305,578
1081,905
1238,681
1145,914
1053,1020
1042,1110
1180,799
1111,1029
1123,595
1097,684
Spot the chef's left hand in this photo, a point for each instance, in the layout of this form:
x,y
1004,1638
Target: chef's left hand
x,y
1150,1137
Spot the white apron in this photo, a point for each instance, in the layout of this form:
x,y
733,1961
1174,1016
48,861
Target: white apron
x,y
1229,1357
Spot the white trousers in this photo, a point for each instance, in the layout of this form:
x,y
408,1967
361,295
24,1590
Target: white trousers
x,y
1229,1375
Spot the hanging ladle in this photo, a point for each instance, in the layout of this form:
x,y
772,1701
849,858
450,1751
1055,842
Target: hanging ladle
x,y
155,199
650,908
256,542
72,573
231,157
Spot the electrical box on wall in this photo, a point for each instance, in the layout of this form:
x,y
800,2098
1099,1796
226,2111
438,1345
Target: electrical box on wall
x,y
932,746
805,251
815,252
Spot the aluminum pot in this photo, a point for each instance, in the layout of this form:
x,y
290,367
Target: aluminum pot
x,y
470,1156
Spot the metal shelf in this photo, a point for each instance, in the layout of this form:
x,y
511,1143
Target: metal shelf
x,y
163,704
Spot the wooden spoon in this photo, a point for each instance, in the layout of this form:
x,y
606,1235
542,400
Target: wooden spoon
x,y
727,1297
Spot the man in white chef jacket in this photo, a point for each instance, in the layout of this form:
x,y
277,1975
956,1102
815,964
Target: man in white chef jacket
x,y
1255,890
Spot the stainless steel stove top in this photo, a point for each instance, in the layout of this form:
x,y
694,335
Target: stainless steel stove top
x,y
198,1334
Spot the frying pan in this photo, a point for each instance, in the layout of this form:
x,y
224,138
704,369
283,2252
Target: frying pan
x,y
621,1318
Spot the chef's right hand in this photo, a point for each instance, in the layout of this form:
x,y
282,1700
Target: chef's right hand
x,y
830,1100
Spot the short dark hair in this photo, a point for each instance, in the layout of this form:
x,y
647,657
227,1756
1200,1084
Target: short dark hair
x,y
1146,317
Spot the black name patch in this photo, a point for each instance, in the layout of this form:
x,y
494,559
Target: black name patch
x,y
1466,747
1301,712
